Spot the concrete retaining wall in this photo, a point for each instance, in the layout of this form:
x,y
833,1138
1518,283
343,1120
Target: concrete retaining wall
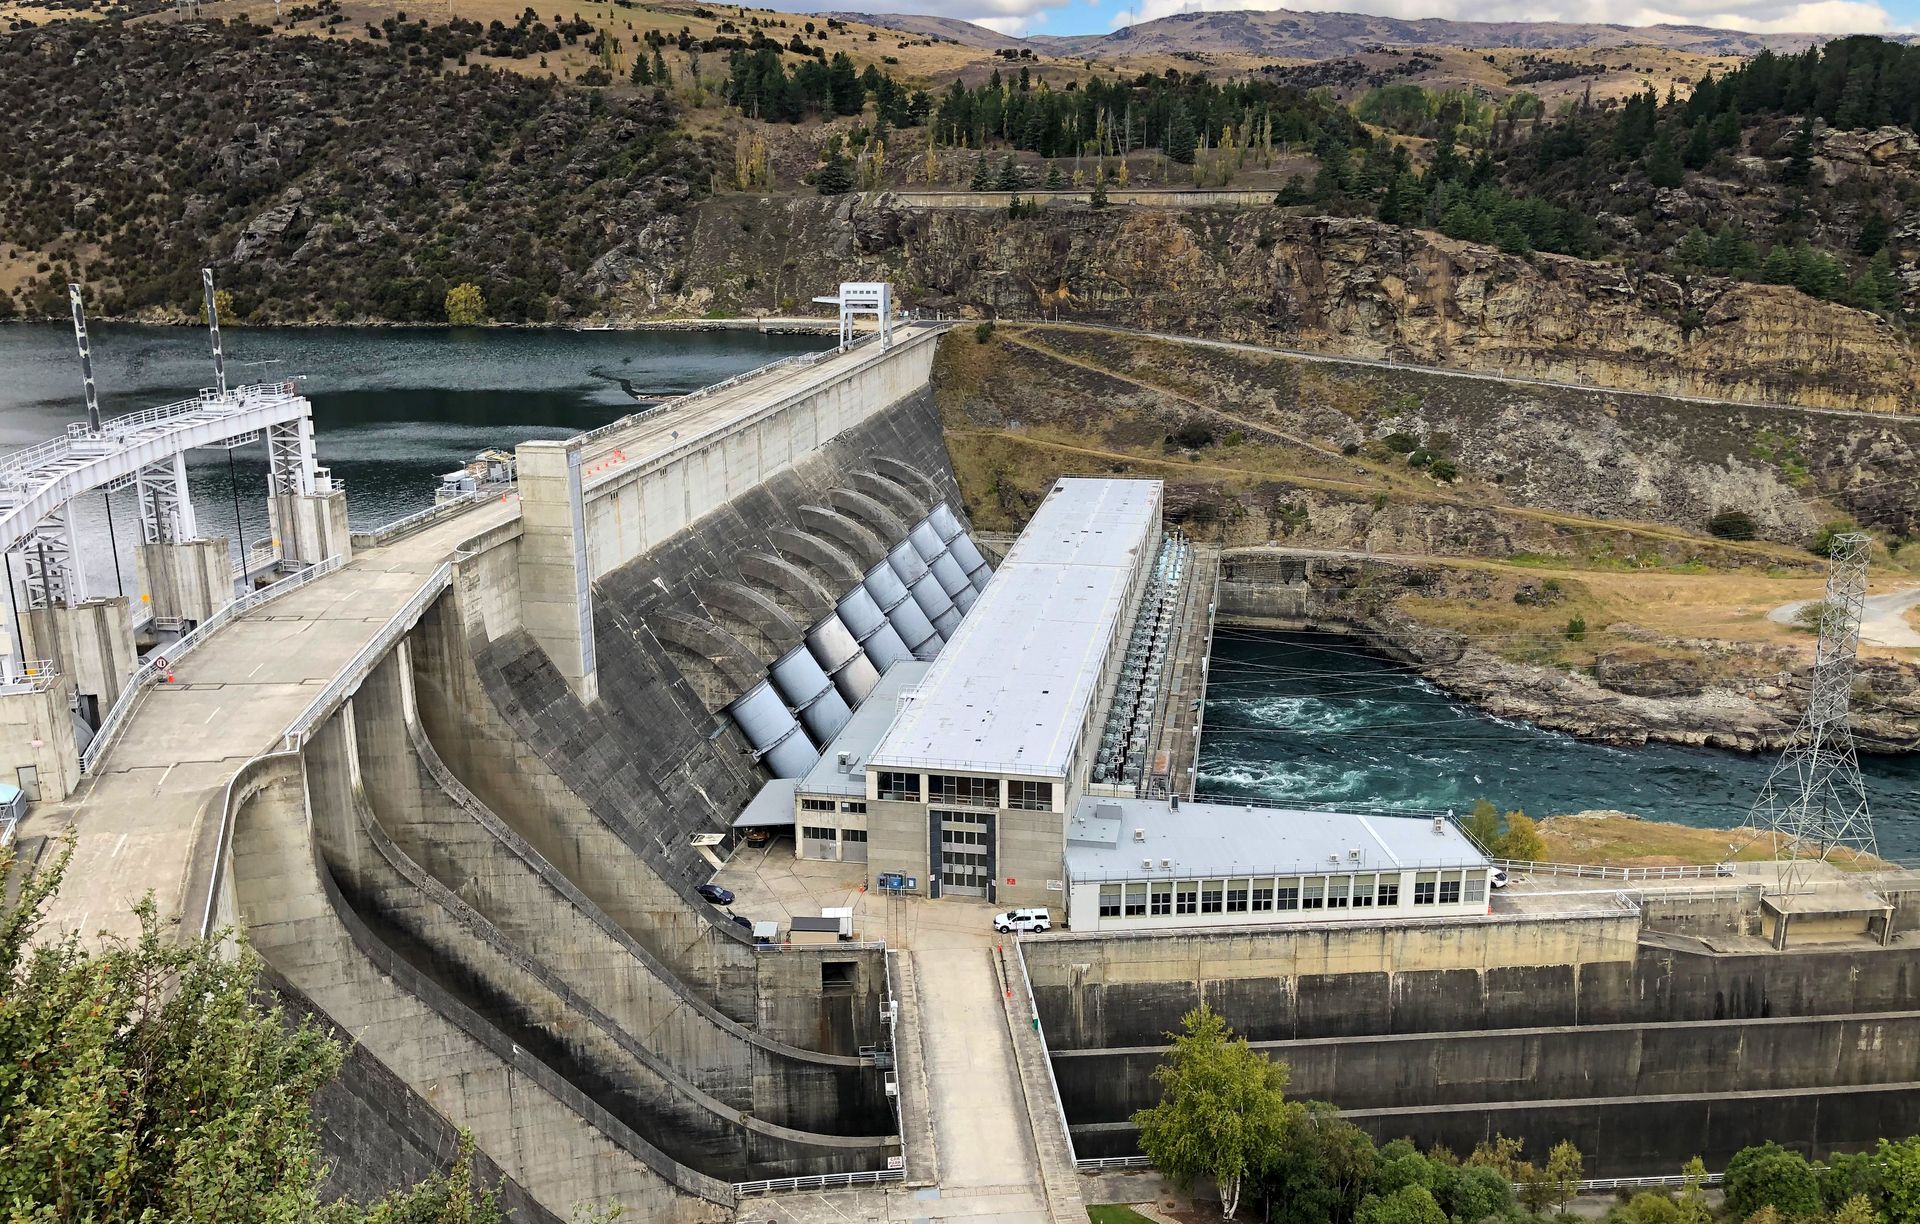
x,y
378,1135
1632,1136
1296,983
1515,1065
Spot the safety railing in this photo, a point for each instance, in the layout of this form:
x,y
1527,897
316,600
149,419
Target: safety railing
x,y
1591,1185
1100,1164
1046,1055
1595,871
819,1181
35,676
407,524
349,677
163,661
262,555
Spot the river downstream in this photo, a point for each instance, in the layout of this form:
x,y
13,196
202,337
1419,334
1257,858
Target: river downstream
x,y
1314,718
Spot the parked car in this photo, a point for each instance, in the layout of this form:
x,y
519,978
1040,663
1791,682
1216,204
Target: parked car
x,y
715,894
741,920
1498,878
1025,921
758,837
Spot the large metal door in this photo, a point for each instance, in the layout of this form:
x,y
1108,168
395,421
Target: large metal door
x,y
966,853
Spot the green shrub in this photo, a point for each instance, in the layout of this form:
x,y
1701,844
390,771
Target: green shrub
x,y
1822,545
1445,469
983,332
1576,628
1401,443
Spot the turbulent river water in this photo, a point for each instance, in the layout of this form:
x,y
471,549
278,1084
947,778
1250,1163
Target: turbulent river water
x,y
1315,719
392,407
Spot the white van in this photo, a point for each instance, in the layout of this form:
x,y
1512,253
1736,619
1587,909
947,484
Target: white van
x,y
1025,921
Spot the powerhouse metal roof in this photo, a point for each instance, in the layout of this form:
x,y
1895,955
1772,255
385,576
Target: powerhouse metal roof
x,y
869,721
1223,839
1011,689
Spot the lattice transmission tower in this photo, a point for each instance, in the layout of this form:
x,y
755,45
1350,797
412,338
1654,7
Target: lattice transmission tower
x,y
1814,801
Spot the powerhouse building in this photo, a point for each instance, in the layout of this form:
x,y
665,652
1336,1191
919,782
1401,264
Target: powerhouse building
x,y
969,788
968,775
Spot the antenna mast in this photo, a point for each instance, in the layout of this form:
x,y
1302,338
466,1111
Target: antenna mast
x,y
86,357
213,328
1814,798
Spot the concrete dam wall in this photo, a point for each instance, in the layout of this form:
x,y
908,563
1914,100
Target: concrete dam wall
x,y
1635,1043
481,863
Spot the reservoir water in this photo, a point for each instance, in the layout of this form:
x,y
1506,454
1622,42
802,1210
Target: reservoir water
x,y
392,407
1315,719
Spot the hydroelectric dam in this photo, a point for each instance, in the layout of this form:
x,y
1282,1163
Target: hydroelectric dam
x,y
489,790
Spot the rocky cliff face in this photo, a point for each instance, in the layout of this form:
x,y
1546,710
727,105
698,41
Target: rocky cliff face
x,y
1349,287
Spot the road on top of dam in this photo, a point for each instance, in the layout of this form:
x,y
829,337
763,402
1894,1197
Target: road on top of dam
x,y
145,819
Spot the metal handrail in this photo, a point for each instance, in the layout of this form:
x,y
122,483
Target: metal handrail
x,y
387,532
1046,1055
819,1181
36,676
349,677
170,654
1598,871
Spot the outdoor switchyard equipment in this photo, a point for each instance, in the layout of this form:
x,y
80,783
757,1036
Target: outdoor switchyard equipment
x,y
1814,800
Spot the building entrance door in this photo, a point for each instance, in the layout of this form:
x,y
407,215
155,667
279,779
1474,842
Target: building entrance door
x,y
966,853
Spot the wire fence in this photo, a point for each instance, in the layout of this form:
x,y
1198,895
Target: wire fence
x,y
1591,1185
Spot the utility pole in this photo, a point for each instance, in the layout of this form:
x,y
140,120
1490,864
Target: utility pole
x,y
1814,800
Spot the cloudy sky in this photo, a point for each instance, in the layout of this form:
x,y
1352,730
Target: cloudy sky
x,y
1098,16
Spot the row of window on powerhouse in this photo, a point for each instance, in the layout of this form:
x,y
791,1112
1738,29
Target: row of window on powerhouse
x,y
1259,894
823,833
963,791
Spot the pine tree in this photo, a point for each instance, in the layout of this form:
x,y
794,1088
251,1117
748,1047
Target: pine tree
x,y
1009,179
834,178
1663,164
982,177
642,71
1055,181
1181,137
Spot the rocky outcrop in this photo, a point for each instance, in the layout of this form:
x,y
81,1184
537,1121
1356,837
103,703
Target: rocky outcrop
x,y
1340,285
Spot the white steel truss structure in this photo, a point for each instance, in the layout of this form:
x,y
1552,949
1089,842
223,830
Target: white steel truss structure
x,y
1814,800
